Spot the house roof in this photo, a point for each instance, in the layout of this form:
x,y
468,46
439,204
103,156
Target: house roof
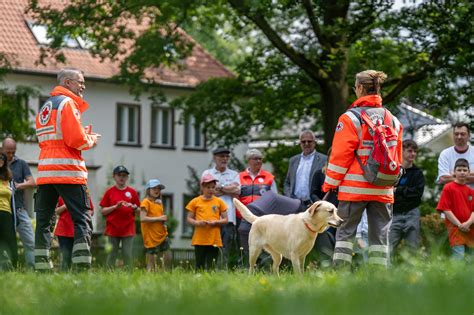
x,y
419,125
18,42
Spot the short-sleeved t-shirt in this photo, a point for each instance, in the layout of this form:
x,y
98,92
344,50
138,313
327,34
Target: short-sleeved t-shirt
x,y
459,199
65,226
153,233
20,171
121,221
448,158
5,196
210,210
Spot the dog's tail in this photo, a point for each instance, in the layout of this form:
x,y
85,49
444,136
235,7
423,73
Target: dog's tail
x,y
244,211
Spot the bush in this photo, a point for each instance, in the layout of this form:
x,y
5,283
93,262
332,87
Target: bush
x,y
434,236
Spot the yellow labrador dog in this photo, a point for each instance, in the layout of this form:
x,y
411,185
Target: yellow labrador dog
x,y
291,236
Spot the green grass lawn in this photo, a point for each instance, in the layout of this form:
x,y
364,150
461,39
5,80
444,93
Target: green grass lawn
x,y
426,288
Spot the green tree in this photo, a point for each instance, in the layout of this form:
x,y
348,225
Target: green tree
x,y
301,55
14,112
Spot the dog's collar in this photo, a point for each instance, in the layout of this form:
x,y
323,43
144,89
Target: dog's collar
x,y
309,228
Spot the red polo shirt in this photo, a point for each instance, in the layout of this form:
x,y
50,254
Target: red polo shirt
x,y
65,226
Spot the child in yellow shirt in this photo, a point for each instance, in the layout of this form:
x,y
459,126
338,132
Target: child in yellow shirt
x,y
153,224
207,213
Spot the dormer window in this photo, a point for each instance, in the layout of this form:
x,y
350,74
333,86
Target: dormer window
x,y
40,32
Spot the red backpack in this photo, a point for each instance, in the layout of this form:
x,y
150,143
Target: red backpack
x,y
383,165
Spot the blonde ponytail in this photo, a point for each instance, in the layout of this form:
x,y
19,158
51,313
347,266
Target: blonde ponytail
x,y
371,80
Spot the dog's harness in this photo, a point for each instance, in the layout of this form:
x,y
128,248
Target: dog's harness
x,y
308,227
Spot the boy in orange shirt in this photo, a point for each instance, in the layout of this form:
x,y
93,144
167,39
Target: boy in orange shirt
x,y
457,203
207,213
153,224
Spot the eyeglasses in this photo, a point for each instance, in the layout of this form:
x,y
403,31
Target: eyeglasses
x,y
256,158
82,83
223,156
306,141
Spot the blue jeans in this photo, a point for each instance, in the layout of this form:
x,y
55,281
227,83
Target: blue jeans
x,y
27,236
459,252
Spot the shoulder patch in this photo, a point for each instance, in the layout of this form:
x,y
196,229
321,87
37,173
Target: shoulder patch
x,y
77,113
339,126
45,113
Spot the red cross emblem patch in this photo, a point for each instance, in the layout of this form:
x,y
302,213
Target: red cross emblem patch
x,y
45,113
339,126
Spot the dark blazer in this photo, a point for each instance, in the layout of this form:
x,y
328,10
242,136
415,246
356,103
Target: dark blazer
x,y
290,180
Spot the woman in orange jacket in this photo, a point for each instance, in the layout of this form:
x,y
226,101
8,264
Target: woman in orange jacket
x,y
352,146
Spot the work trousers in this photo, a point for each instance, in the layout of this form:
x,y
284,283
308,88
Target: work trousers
x,y
379,217
76,198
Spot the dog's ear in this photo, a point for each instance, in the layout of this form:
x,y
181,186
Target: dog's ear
x,y
314,208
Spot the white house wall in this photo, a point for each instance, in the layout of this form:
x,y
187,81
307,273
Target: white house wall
x,y
169,165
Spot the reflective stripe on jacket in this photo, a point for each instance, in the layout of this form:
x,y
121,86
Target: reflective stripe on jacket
x,y
252,189
61,139
343,171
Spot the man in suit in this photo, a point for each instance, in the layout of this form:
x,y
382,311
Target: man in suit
x,y
302,168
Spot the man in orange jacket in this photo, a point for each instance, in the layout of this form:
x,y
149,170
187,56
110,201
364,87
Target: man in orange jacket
x,y
344,172
61,168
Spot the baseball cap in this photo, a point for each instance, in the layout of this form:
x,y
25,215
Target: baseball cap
x,y
220,150
154,183
121,169
207,178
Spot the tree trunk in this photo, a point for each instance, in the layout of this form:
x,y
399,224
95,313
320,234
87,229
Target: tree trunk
x,y
334,102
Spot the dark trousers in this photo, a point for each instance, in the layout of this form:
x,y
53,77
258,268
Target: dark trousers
x,y
206,257
65,247
76,198
230,243
8,246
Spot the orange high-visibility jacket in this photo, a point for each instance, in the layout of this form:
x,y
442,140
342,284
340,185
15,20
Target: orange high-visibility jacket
x,y
252,189
61,139
343,171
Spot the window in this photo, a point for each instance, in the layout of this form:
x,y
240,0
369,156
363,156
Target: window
x,y
162,127
40,32
188,229
193,134
128,124
167,200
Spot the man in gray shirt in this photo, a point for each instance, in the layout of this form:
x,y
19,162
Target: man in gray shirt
x,y
23,180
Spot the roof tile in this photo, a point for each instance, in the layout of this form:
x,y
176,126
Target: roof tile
x,y
17,41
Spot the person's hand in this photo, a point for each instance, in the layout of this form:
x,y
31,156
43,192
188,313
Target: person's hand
x,y
465,227
361,242
163,218
212,223
119,204
201,223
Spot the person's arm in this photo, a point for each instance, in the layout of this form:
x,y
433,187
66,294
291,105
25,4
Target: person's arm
x,y
444,173
145,218
287,182
274,187
74,135
60,209
415,191
232,189
452,218
470,178
345,143
28,183
192,220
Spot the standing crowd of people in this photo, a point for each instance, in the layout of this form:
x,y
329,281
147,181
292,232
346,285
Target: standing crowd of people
x,y
369,174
